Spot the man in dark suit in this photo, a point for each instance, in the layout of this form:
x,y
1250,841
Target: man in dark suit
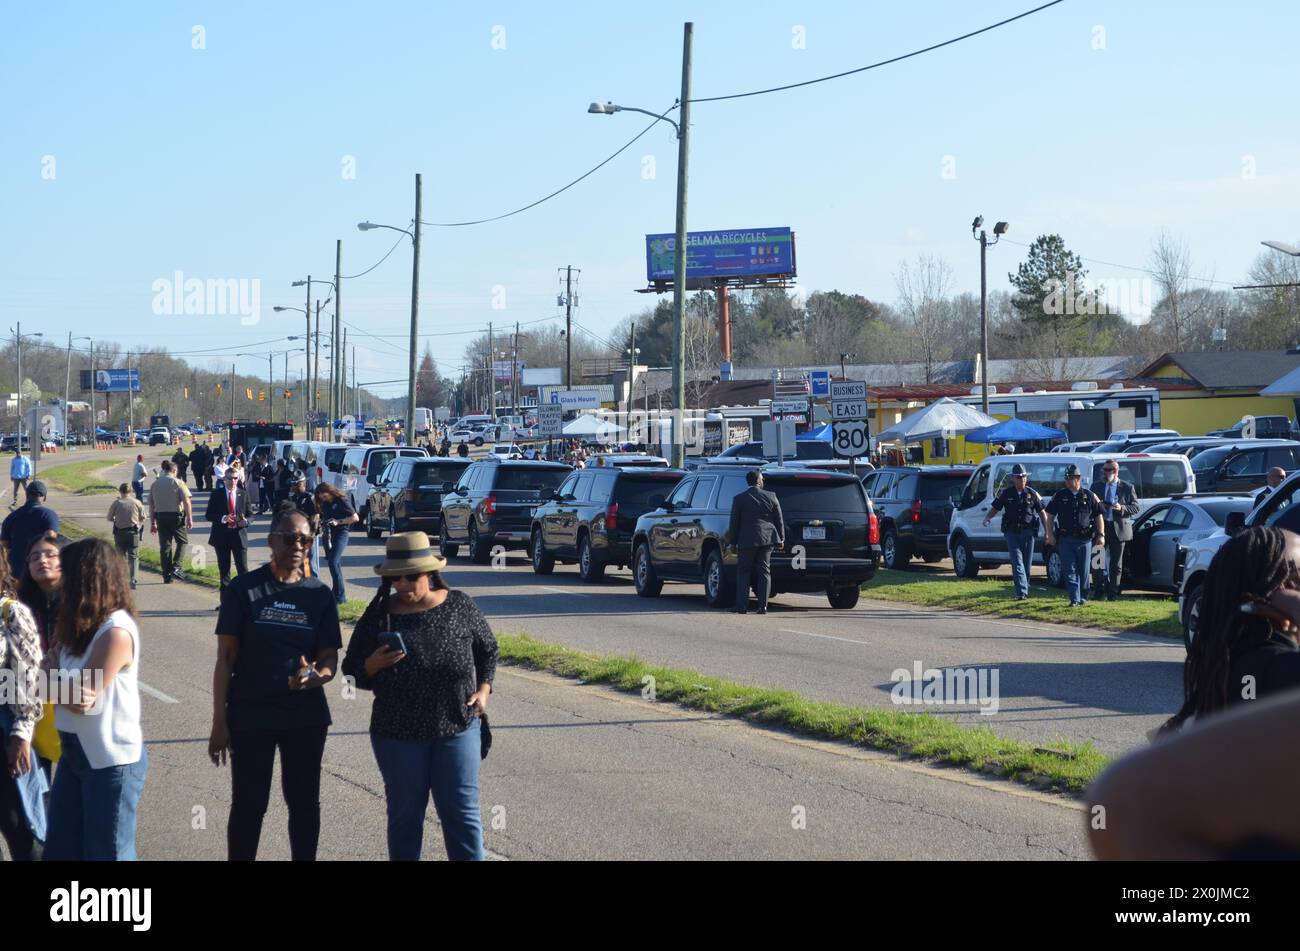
x,y
228,513
757,524
1119,504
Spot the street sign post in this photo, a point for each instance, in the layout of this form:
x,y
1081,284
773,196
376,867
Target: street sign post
x,y
848,409
850,437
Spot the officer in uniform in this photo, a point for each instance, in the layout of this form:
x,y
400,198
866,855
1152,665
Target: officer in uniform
x,y
1078,517
305,503
1022,510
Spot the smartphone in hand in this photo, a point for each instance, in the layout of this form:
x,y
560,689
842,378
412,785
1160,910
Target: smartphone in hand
x,y
393,641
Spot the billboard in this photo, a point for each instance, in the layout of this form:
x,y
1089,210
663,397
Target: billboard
x,y
504,369
753,252
541,376
109,381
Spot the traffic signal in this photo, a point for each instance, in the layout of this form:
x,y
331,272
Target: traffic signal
x,y
261,396
248,392
288,394
218,389
186,390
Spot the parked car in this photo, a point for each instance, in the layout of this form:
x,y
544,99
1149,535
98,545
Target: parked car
x,y
914,506
1189,446
1129,444
1078,446
591,518
832,535
505,450
408,495
492,504
1192,561
1243,465
1139,433
1265,427
1149,559
974,545
640,459
361,468
477,434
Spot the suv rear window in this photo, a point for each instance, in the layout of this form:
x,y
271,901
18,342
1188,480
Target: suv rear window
x,y
524,479
813,496
644,492
936,488
435,473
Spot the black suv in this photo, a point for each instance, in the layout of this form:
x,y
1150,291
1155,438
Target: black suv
x,y
832,537
408,495
492,505
1243,466
591,517
914,506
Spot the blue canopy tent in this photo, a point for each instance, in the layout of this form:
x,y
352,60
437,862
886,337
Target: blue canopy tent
x,y
820,434
1013,430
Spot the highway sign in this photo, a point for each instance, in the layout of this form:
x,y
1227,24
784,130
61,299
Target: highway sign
x,y
788,406
848,390
849,438
848,409
550,419
821,382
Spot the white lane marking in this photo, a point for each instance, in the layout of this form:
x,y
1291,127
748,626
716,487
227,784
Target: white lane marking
x,y
157,694
829,637
565,590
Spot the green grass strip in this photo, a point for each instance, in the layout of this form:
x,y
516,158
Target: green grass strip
x,y
994,596
80,478
1064,767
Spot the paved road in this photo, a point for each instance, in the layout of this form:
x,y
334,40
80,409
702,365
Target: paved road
x,y
1055,682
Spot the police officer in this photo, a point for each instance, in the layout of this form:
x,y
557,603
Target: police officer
x,y
1078,517
305,503
1022,510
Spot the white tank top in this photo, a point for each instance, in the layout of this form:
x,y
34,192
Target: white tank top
x,y
110,734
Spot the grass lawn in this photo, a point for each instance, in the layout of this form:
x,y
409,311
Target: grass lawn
x,y
1148,615
82,478
1068,767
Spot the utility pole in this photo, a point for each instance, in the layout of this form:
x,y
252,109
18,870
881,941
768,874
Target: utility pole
x,y
94,421
286,379
130,396
18,355
232,392
307,316
356,392
67,392
679,256
335,356
568,327
313,374
343,375
409,424
492,372
514,372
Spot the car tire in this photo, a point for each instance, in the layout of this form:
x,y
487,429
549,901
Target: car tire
x,y
1191,615
719,590
478,440
963,562
543,564
590,568
480,552
371,531
893,552
648,582
446,548
843,598
1055,568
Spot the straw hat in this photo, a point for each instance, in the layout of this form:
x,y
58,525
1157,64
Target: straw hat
x,y
409,553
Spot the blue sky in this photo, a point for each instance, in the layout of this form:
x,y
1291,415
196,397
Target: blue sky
x,y
227,161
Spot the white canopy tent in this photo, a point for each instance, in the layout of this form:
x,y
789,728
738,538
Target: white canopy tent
x,y
589,426
944,417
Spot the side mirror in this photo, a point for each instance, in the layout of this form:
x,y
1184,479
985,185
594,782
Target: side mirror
x,y
449,488
668,505
1234,523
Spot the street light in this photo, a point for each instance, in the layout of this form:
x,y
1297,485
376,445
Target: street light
x,y
414,235
311,376
1282,246
999,230
19,336
67,387
679,256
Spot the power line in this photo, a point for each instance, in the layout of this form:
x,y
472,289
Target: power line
x,y
558,191
883,62
1127,267
353,277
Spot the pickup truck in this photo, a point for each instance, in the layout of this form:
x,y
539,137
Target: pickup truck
x,y
1266,427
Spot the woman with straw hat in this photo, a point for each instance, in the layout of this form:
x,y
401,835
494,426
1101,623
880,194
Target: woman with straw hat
x,y
429,655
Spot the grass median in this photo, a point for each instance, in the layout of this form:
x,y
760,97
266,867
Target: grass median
x,y
1143,615
1066,768
80,478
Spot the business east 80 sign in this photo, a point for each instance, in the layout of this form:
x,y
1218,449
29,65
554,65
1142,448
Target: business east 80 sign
x,y
711,255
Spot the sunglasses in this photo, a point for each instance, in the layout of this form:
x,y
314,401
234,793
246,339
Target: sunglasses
x,y
410,579
293,538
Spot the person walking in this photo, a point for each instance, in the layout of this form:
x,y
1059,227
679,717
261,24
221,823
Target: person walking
x,y
278,640
23,526
92,815
1077,515
127,515
228,512
201,462
20,471
305,502
1119,504
182,463
138,474
462,450
336,516
171,518
24,783
254,483
757,524
430,657
1022,511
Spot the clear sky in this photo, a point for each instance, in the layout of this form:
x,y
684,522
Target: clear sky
x,y
127,154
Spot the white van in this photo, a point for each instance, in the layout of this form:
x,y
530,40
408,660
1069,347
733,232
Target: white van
x,y
423,421
361,468
324,462
974,545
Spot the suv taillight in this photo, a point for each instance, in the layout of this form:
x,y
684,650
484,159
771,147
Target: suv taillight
x,y
873,529
611,517
916,511
408,494
490,505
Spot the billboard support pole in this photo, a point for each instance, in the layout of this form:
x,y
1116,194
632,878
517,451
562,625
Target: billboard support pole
x,y
130,398
724,321
679,254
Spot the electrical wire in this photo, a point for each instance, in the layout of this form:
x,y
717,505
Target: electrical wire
x,y
883,62
558,191
353,277
1128,267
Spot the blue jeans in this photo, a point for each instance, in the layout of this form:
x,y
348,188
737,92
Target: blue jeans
x,y
1020,545
447,769
92,811
138,489
334,557
1075,554
315,556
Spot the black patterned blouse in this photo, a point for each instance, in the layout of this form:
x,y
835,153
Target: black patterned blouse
x,y
450,650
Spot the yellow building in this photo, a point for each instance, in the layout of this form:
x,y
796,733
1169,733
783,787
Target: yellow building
x,y
1214,389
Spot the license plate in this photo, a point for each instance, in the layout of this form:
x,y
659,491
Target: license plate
x,y
811,533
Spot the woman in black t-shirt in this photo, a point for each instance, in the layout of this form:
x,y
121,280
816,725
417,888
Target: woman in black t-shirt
x,y
335,516
430,657
1245,646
